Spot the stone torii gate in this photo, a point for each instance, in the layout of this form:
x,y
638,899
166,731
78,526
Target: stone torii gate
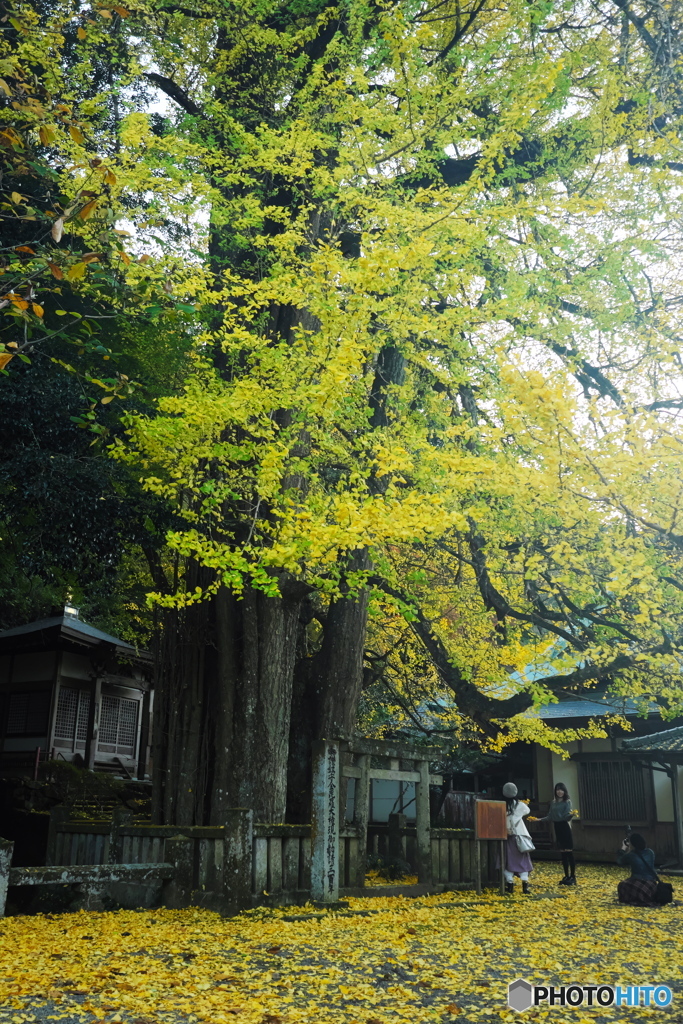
x,y
330,773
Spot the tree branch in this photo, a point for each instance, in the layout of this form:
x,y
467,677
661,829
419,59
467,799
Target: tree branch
x,y
175,9
646,160
639,25
494,599
458,35
674,403
588,375
174,92
487,711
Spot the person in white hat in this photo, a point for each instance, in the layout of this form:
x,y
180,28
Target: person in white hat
x,y
517,855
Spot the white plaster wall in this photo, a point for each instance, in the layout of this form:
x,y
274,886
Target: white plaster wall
x,y
663,796
544,774
566,771
595,746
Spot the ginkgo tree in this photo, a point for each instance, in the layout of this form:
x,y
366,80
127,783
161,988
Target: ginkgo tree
x,y
433,411
66,275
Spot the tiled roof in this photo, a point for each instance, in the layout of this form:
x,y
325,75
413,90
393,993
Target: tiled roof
x,y
589,708
69,623
669,739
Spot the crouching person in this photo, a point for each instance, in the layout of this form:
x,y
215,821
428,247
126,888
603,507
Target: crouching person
x,y
641,885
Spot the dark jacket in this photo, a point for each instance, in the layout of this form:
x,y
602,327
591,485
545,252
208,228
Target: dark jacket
x,y
641,863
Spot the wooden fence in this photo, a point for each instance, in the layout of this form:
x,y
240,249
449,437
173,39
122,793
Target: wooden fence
x,y
240,864
92,880
279,868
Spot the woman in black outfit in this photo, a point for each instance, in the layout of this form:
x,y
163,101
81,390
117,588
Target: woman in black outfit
x,y
560,813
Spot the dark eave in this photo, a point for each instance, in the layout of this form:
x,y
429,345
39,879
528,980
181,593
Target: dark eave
x,y
68,629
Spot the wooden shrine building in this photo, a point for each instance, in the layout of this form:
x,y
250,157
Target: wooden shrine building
x,y
72,692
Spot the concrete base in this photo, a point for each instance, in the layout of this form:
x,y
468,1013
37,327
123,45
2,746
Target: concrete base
x,y
131,896
581,856
390,890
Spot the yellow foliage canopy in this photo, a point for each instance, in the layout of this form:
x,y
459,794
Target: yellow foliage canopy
x,y
441,292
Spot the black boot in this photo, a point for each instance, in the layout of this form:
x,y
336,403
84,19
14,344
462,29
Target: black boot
x,y
572,868
525,888
565,865
509,888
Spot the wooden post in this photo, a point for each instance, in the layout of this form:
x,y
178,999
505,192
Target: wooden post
x,y
54,703
502,866
93,723
325,822
58,815
145,724
237,858
361,816
120,817
477,869
423,825
177,893
397,823
678,814
6,851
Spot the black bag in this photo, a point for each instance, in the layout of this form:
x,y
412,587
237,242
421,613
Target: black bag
x,y
664,893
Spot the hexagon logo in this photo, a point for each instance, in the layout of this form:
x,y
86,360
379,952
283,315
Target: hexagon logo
x,y
520,995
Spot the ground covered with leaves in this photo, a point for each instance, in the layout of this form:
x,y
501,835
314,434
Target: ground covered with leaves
x,y
382,960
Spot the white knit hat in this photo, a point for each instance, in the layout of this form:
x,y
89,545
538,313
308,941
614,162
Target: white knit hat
x,y
509,790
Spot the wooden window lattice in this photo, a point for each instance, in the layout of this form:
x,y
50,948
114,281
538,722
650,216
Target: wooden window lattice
x,y
73,708
128,720
612,791
83,712
67,710
118,721
118,718
109,719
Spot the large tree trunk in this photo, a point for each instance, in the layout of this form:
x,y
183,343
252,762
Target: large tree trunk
x,y
223,705
327,689
179,711
263,701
